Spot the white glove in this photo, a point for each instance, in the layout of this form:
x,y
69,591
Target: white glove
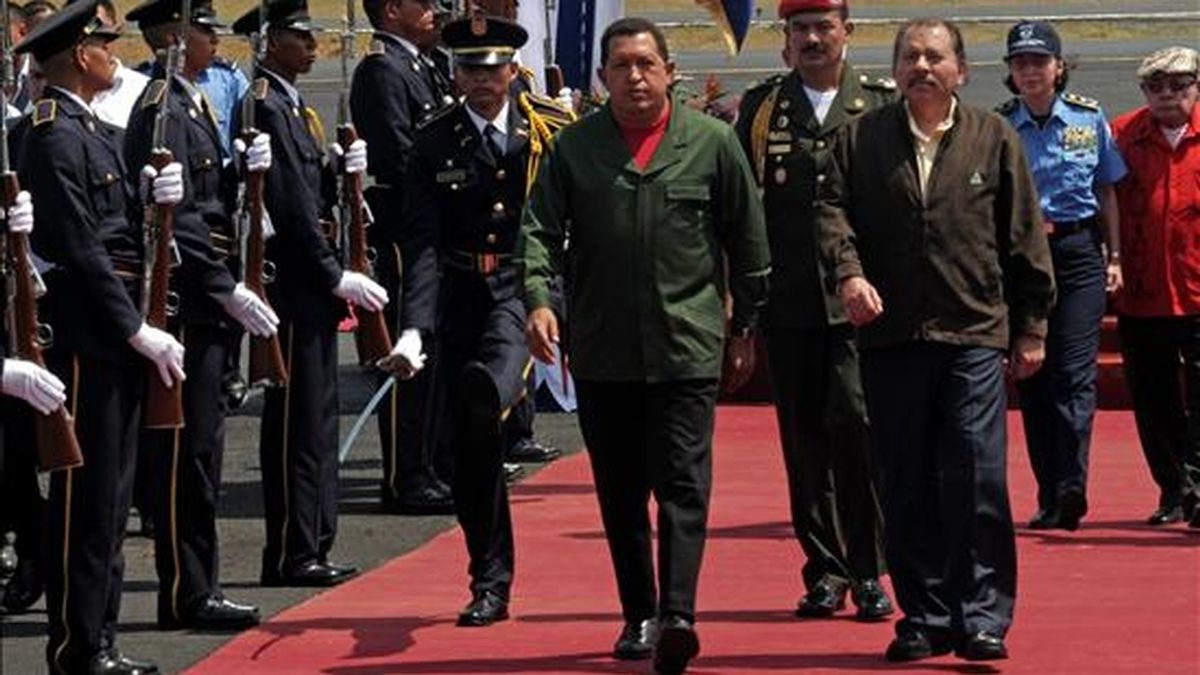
x,y
258,155
362,291
163,350
166,186
353,160
248,309
566,98
33,384
267,225
20,214
406,358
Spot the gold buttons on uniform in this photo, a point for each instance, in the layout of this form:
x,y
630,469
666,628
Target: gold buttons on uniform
x,y
108,178
500,174
820,144
498,207
491,238
781,175
782,122
820,178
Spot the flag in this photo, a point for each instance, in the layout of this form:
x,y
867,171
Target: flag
x,y
733,19
577,40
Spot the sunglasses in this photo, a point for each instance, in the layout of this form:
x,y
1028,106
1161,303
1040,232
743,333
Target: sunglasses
x,y
1176,86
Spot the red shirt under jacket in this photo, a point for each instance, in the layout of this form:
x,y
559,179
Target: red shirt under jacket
x,y
643,142
1160,217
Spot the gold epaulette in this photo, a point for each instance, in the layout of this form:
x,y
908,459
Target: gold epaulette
x,y
436,115
550,109
766,84
156,91
760,126
260,88
1008,107
1081,101
44,111
376,48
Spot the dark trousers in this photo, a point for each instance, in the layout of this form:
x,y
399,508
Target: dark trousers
x,y
1162,366
938,434
187,476
412,456
298,450
483,364
518,426
1058,403
21,501
88,509
822,416
642,439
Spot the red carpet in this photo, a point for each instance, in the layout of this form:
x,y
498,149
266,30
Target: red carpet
x,y
1114,597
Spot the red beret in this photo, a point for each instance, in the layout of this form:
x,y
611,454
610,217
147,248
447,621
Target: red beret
x,y
790,7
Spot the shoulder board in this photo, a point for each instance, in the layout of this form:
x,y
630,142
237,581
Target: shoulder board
x,y
764,84
436,115
44,112
155,92
1081,101
376,48
548,106
1008,107
260,88
877,83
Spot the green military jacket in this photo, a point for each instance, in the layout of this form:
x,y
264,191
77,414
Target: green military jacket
x,y
791,153
646,254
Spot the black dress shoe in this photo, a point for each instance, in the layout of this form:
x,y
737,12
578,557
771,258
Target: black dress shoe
x,y
982,646
822,600
310,575
636,641
530,451
214,613
485,609
914,644
1166,515
1072,506
677,645
115,663
1044,519
512,472
428,500
23,590
872,602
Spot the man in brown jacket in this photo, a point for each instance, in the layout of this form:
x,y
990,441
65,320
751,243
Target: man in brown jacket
x,y
930,226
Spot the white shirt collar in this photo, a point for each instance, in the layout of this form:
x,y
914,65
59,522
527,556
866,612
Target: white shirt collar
x,y
74,97
410,47
942,126
500,122
292,92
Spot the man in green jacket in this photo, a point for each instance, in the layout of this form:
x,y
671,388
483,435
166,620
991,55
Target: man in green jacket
x,y
933,234
659,207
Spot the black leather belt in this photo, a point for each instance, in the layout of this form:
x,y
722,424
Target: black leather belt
x,y
481,263
1061,228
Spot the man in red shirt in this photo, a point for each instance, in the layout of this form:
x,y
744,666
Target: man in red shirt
x,y
1159,306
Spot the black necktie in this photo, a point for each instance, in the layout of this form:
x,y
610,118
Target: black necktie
x,y
492,135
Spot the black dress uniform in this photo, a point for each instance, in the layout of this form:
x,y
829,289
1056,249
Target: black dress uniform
x,y
186,464
298,446
464,192
394,90
89,231
813,361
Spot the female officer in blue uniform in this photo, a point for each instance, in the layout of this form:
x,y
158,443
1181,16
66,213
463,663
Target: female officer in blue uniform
x,y
1075,165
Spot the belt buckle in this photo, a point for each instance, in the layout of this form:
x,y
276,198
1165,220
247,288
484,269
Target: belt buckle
x,y
487,262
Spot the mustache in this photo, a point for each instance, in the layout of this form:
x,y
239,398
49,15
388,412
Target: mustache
x,y
817,48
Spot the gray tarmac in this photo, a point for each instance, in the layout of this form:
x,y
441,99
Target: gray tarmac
x,y
1104,70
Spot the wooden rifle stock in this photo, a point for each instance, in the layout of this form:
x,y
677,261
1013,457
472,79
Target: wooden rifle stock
x,y
266,355
554,80
371,336
54,434
163,406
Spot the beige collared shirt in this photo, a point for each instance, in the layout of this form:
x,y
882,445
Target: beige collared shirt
x,y
926,146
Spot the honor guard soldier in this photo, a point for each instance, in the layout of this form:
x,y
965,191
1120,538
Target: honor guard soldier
x,y
310,290
470,171
395,88
1075,166
89,232
212,306
787,126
